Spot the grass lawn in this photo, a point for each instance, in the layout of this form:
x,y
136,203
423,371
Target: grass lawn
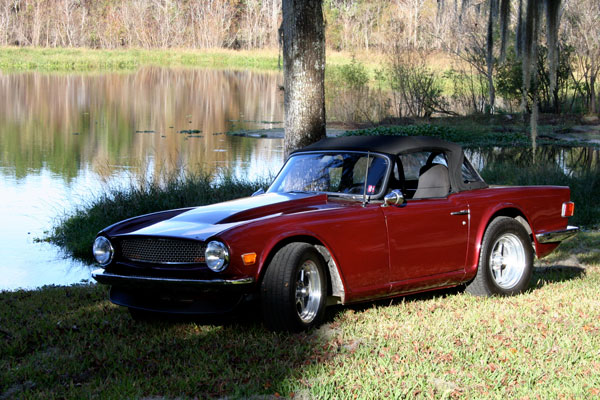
x,y
13,59
70,342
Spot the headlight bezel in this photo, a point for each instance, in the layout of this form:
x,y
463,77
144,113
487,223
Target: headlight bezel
x,y
218,259
102,247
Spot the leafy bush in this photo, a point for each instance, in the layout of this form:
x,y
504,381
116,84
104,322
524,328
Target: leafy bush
x,y
466,138
509,79
349,97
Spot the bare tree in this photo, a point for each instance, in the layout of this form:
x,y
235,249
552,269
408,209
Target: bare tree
x,y
304,72
411,10
5,21
211,21
583,22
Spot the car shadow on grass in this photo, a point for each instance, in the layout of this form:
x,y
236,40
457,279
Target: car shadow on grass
x,y
543,276
333,311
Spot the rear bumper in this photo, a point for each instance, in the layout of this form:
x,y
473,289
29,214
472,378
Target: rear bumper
x,y
109,278
557,236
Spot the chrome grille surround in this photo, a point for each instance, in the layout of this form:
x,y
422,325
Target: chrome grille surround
x,y
163,251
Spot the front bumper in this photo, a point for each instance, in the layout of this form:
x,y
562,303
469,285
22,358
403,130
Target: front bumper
x,y
557,236
176,295
109,278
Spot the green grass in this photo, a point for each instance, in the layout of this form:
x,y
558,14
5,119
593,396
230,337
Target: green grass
x,y
70,342
75,232
69,60
79,59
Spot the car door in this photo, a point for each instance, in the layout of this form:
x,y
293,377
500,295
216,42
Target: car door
x,y
427,237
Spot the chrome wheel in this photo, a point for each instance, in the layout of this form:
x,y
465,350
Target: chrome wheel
x,y
308,291
507,260
294,288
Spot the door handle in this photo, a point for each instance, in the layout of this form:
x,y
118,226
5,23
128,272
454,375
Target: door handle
x,y
461,212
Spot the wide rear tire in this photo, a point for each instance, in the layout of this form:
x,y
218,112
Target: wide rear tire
x,y
294,289
505,260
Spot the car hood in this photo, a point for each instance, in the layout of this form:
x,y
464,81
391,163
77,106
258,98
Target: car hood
x,y
203,222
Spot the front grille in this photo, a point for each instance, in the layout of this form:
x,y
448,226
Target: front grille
x,y
163,251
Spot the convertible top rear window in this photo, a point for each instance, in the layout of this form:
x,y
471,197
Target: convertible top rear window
x,y
333,172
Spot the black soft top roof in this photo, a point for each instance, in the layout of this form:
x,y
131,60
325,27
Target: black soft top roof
x,y
396,145
383,144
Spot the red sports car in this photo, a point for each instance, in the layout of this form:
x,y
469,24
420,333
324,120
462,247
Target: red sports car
x,y
346,220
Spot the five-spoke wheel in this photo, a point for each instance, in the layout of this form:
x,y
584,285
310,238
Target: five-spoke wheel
x,y
505,260
294,288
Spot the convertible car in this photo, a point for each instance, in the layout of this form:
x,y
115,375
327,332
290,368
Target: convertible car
x,y
346,220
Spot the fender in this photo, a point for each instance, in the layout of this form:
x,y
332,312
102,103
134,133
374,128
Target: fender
x,y
337,279
488,215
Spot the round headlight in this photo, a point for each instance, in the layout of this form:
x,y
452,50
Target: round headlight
x,y
103,250
217,256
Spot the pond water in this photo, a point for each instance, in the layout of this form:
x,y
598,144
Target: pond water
x,y
65,138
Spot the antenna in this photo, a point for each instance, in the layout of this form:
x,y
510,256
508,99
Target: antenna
x,y
366,177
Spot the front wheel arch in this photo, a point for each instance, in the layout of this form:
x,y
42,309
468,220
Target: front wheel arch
x,y
313,241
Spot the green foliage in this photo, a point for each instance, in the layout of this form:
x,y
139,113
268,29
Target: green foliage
x,y
465,137
349,76
416,90
509,79
349,97
75,232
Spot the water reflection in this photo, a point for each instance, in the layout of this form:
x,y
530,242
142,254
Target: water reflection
x,y
111,121
571,160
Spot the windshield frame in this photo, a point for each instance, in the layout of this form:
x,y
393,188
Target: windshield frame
x,y
356,196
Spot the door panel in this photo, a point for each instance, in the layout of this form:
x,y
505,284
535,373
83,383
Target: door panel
x,y
427,237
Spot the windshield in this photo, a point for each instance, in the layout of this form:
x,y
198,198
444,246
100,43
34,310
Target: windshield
x,y
333,172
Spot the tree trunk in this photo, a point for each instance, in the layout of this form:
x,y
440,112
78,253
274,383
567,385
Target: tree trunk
x,y
489,58
593,94
304,72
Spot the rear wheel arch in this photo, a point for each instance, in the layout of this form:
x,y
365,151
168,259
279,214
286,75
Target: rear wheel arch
x,y
511,212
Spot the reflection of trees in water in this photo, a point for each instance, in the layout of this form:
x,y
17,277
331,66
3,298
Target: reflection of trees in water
x,y
569,159
65,122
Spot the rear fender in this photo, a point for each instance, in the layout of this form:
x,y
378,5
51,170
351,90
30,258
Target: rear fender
x,y
501,210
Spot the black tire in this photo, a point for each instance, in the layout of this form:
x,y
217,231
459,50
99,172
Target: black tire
x,y
505,260
294,289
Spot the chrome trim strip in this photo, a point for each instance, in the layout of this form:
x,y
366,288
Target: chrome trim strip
x,y
557,236
108,278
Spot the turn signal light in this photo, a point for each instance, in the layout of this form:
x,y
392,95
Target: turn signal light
x,y
249,258
568,209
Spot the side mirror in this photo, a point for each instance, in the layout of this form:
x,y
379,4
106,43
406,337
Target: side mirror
x,y
258,192
394,198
